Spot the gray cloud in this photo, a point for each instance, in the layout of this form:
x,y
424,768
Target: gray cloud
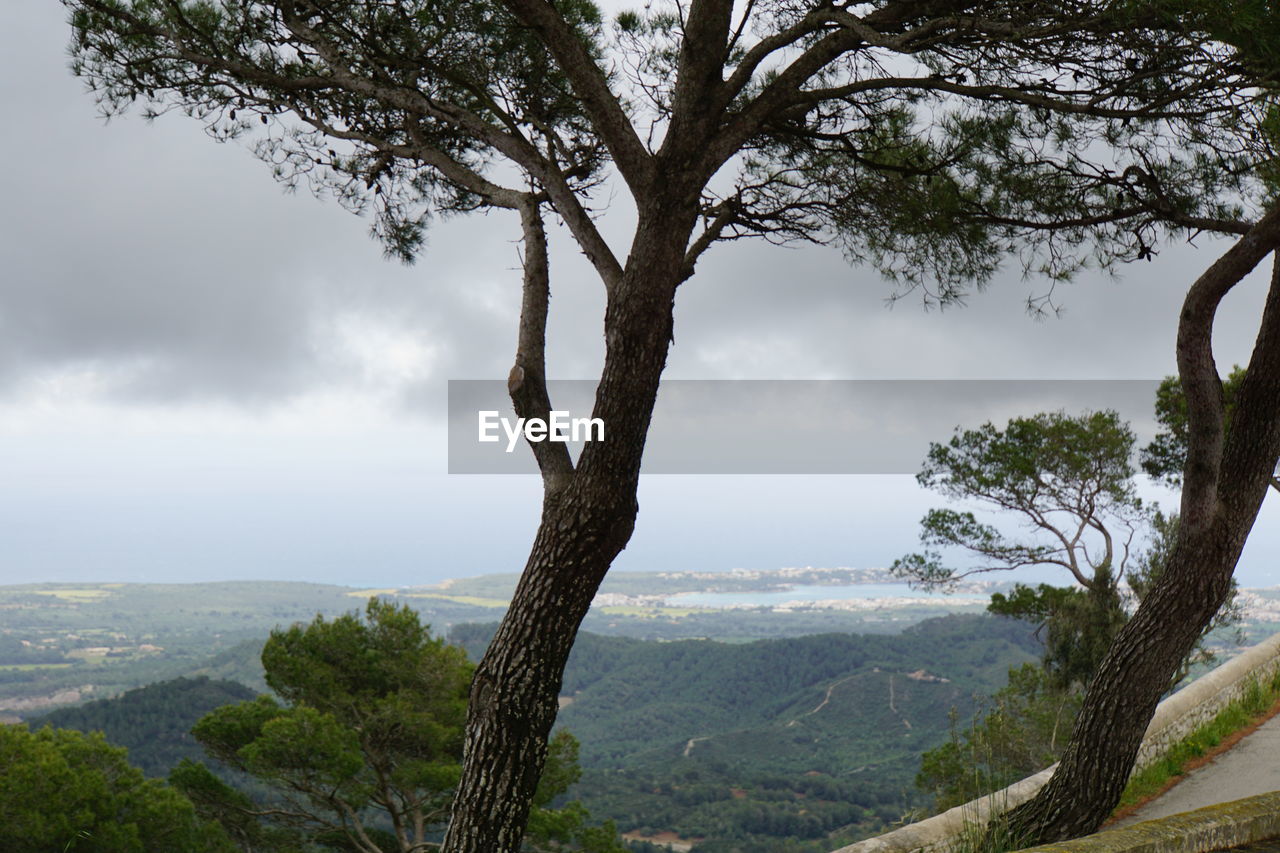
x,y
177,270
176,265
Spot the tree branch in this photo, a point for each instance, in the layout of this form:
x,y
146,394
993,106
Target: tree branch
x,y
610,121
356,833
1198,371
694,104
725,213
762,50
1049,99
527,382
1255,429
519,150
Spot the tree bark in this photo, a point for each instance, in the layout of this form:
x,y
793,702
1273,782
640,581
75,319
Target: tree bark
x,y
588,516
1226,478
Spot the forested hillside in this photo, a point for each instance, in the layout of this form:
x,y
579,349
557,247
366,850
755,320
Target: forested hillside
x,y
744,745
62,643
153,722
752,747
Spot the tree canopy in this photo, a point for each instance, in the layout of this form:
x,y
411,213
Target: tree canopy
x,y
1069,484
371,722
69,791
1164,458
1066,480
982,141
368,738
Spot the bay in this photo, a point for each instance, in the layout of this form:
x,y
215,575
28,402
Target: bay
x,y
800,592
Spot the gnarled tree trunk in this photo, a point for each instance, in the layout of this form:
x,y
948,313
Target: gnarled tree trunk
x,y
587,518
1226,478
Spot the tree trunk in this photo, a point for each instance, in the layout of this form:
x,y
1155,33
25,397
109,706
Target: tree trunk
x,y
587,519
514,695
1123,695
1226,478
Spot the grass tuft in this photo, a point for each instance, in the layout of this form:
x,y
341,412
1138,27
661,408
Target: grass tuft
x,y
1257,700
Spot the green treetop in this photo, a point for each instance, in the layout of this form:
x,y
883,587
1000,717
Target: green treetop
x,y
1163,459
64,790
1068,482
367,738
1066,479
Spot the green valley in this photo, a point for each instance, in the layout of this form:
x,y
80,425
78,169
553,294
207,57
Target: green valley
x,y
751,729
66,643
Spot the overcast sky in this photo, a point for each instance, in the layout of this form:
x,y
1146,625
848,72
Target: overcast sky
x,y
203,377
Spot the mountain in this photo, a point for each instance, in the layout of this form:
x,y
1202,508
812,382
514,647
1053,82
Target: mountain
x,y
747,746
153,722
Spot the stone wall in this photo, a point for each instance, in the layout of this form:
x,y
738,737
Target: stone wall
x,y
1201,700
1211,828
1175,718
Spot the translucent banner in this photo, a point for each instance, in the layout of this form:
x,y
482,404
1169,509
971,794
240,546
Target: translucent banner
x,y
778,426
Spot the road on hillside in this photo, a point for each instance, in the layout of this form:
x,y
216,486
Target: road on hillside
x,y
1251,767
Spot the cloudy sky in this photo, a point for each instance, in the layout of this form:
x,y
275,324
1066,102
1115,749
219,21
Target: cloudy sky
x,y
203,377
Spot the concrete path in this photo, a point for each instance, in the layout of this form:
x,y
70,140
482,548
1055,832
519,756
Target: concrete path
x,y
1251,767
